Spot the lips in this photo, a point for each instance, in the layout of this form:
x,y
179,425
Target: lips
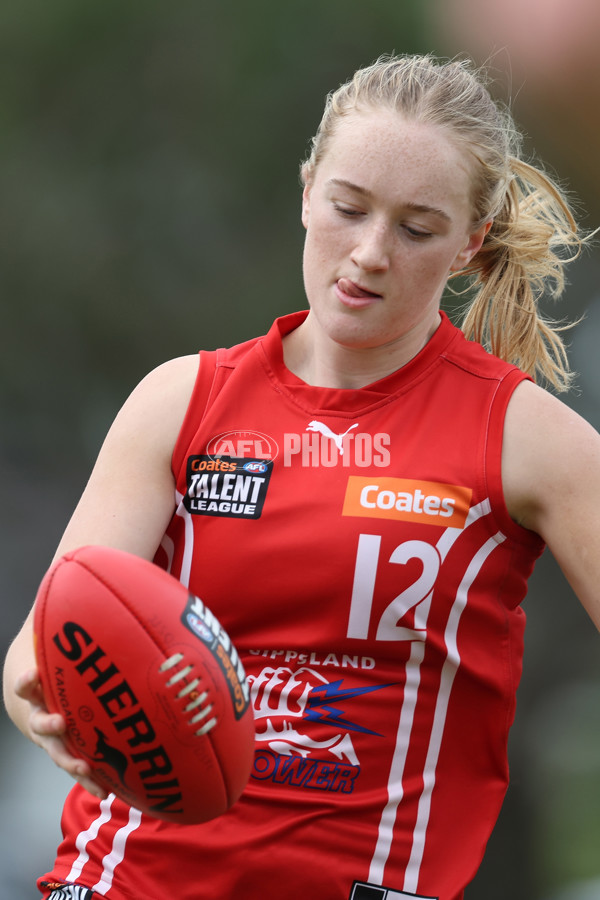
x,y
354,291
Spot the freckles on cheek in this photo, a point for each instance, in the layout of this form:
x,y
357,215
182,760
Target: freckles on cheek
x,y
433,268
317,252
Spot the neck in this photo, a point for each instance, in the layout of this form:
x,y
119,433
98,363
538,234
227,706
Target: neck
x,y
319,360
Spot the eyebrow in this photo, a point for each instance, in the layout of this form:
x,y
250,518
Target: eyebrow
x,y
413,207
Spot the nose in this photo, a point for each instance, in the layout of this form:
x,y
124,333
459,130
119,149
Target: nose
x,y
371,251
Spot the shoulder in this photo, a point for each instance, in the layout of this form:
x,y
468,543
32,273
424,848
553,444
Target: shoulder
x,y
150,419
128,500
163,395
474,361
550,454
551,475
171,377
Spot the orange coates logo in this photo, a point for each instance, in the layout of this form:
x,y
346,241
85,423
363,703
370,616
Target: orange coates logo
x,y
407,500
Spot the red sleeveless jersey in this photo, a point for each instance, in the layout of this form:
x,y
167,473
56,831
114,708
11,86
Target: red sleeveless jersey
x,y
356,546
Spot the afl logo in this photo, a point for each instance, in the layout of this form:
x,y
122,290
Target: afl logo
x,y
198,627
254,446
258,467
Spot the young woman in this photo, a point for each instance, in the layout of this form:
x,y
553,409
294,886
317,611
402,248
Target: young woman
x,y
372,576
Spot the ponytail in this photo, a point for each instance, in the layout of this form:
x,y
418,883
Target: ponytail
x,y
523,257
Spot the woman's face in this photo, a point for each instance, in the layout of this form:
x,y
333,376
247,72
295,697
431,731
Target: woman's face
x,y
388,217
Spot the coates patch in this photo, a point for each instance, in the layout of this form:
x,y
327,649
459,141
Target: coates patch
x,y
198,619
233,487
424,502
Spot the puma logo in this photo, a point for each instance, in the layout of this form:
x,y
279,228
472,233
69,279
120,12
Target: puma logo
x,y
327,432
112,756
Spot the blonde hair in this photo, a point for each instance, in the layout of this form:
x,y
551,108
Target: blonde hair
x,y
533,234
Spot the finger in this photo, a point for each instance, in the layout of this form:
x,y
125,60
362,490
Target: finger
x,y
90,785
47,730
60,754
82,773
27,685
77,768
44,723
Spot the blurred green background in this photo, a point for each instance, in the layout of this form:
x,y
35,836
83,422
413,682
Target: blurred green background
x,y
150,203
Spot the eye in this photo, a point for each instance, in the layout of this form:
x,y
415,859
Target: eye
x,y
417,234
347,211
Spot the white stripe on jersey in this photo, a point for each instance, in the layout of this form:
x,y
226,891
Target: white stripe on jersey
x,y
449,669
412,682
396,779
84,837
451,535
188,542
117,853
168,546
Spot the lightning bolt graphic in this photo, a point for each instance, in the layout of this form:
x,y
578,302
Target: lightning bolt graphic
x,y
327,694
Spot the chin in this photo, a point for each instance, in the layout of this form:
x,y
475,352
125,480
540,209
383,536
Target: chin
x,y
355,336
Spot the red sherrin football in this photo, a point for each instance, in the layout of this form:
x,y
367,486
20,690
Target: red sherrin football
x,y
151,686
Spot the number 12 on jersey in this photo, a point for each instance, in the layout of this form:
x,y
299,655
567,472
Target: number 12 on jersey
x,y
419,592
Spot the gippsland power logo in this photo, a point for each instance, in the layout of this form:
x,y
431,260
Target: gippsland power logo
x,y
307,723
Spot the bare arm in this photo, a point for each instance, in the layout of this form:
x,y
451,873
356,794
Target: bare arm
x,y
127,504
551,474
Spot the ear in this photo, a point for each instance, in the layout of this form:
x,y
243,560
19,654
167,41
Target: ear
x,y
471,248
306,204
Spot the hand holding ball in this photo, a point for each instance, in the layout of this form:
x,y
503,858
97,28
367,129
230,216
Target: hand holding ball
x,y
152,688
